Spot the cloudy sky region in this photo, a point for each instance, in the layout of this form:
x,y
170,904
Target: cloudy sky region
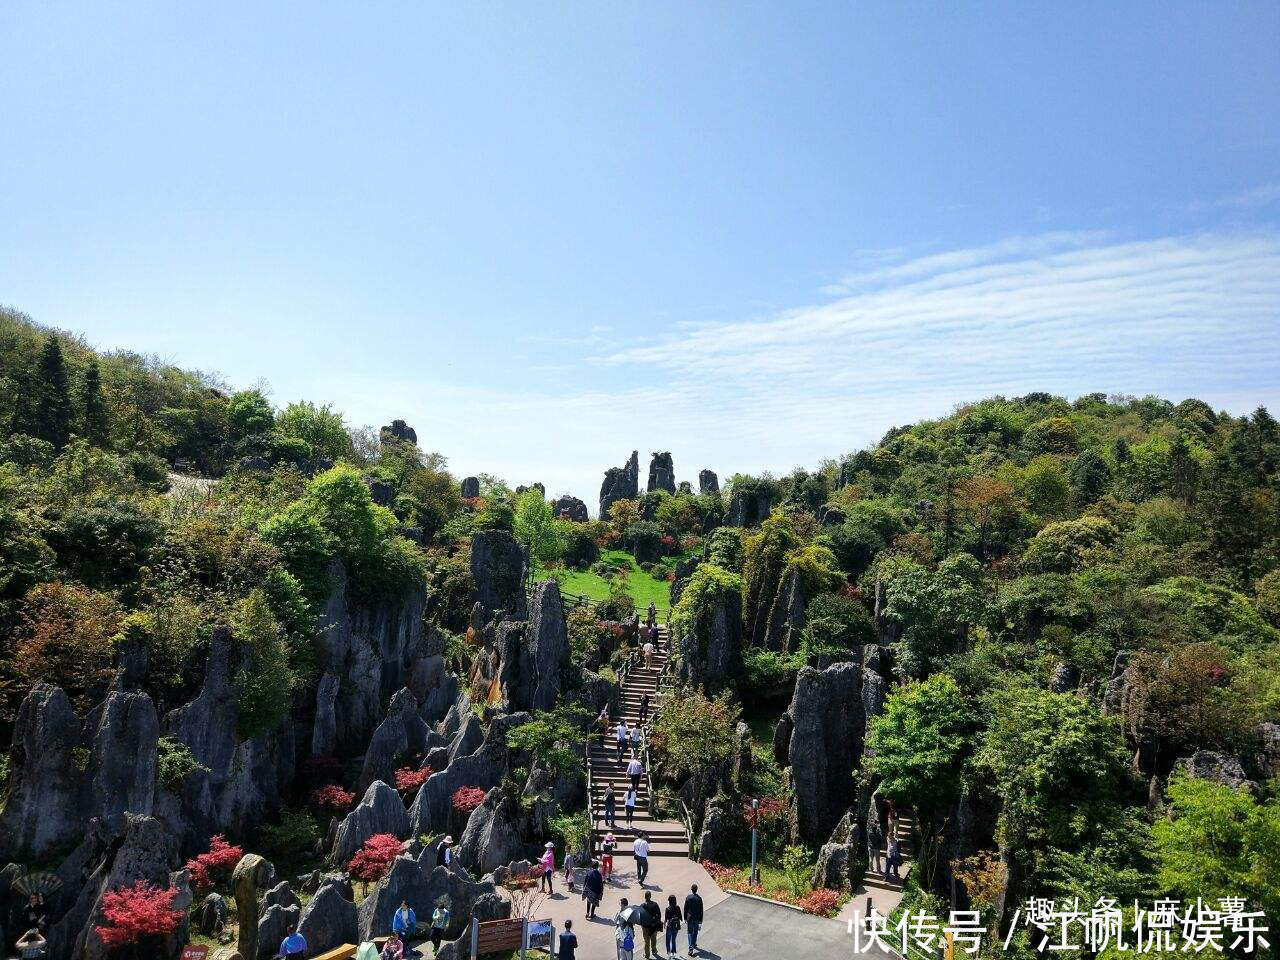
x,y
755,235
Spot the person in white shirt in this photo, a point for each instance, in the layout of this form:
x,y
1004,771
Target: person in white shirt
x,y
622,739
635,770
629,801
640,850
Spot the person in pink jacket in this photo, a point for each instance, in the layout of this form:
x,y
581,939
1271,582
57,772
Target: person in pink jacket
x,y
548,864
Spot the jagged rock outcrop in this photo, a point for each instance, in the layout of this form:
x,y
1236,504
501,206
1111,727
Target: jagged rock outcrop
x,y
369,648
787,615
748,508
708,482
534,666
435,687
782,740
282,894
839,856
718,828
432,807
380,491
536,485
468,739
240,782
620,483
493,835
213,914
826,743
498,570
122,758
1065,678
141,850
571,508
662,473
329,919
469,488
274,924
42,814
1114,693
1218,767
421,882
684,487
1264,762
711,650
401,732
398,430
379,811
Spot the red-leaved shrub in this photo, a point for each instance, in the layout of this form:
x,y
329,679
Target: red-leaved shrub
x,y
820,902
219,861
132,913
373,860
408,778
466,799
331,799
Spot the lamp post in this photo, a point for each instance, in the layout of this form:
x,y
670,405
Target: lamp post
x,y
755,862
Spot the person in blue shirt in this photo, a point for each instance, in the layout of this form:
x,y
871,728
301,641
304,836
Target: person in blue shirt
x,y
568,942
405,921
294,946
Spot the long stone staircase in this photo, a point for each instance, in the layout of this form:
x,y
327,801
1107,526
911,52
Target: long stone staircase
x,y
667,837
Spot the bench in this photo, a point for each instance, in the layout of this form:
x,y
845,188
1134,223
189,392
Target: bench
x,y
347,950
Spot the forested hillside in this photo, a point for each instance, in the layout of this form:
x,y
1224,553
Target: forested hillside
x,y
1048,628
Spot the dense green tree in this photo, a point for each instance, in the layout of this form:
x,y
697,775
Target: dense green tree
x,y
936,610
321,427
1090,476
1218,842
535,527
248,414
51,410
920,743
96,425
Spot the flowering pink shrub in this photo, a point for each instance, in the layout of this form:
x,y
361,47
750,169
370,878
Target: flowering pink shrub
x,y
373,860
466,799
331,799
133,913
408,779
221,858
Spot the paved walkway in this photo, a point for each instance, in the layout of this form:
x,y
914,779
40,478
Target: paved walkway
x,y
745,928
667,875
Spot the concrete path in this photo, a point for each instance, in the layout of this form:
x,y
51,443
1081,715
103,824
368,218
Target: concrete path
x,y
745,928
667,875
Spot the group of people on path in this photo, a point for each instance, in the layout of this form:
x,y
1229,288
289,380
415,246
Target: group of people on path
x,y
876,844
651,918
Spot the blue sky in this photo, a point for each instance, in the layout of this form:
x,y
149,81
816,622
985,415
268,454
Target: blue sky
x,y
755,235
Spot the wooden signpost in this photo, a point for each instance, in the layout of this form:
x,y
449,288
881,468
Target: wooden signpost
x,y
499,936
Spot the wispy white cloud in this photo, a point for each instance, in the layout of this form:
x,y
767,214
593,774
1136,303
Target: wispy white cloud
x,y
1193,315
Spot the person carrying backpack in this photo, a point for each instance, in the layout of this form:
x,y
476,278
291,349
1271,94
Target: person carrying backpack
x,y
650,925
624,935
672,919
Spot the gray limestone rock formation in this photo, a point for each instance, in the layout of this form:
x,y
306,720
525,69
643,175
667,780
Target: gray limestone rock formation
x,y
470,488
493,835
42,814
432,807
122,758
536,485
662,473
497,570
420,882
1218,767
534,665
787,616
379,811
398,430
711,650
748,508
826,744
620,483
708,482
329,919
401,732
571,508
273,926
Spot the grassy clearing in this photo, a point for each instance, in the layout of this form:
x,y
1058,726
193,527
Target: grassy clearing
x,y
643,587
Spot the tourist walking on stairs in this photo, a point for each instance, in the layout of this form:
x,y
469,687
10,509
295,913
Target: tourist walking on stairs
x,y
640,850
875,842
629,801
610,807
635,770
622,739
644,709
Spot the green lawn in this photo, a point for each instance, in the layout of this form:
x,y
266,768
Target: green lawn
x,y
643,587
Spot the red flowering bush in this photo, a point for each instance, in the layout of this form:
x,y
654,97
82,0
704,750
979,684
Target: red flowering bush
x,y
669,541
219,861
408,779
331,799
852,591
132,913
608,539
820,902
770,811
373,860
689,543
466,799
